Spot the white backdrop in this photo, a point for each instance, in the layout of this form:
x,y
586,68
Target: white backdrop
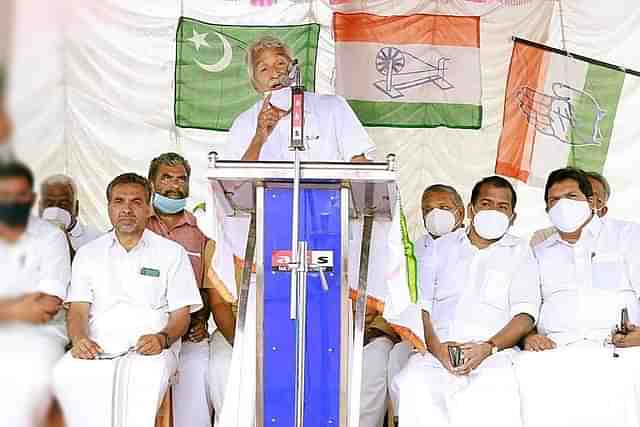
x,y
92,90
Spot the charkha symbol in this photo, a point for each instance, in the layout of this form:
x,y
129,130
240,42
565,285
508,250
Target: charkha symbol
x,y
402,70
555,115
227,52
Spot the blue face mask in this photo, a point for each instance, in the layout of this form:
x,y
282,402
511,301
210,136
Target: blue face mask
x,y
168,206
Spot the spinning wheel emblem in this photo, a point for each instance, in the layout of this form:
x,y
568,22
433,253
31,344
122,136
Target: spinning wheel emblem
x,y
389,58
403,71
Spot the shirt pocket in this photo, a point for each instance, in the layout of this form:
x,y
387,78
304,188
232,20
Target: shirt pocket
x,y
151,289
609,272
495,289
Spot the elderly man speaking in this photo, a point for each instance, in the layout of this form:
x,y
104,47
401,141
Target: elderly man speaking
x,y
130,300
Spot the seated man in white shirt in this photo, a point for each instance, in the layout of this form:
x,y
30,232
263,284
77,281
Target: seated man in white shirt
x,y
479,292
442,213
130,300
332,131
601,193
36,269
589,273
59,205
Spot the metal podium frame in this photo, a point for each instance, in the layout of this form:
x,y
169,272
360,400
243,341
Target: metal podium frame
x,y
367,190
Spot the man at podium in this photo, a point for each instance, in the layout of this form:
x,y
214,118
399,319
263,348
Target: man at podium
x,y
332,131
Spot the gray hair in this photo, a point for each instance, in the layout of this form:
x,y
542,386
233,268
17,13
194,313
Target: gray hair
x,y
168,159
442,188
602,180
59,179
265,42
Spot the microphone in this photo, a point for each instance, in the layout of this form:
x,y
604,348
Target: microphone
x,y
293,75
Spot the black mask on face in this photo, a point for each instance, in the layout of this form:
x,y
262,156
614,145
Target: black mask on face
x,y
15,214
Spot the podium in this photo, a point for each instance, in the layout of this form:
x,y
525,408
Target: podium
x,y
309,335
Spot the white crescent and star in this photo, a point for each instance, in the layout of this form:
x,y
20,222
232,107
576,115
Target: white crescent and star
x,y
200,39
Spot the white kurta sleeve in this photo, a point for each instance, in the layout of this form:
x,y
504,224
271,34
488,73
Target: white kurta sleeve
x,y
81,289
182,289
524,292
428,268
55,271
353,139
240,135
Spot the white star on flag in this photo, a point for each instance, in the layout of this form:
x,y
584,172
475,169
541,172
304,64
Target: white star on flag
x,y
199,39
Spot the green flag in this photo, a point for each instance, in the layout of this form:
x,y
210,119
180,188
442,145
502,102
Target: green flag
x,y
212,83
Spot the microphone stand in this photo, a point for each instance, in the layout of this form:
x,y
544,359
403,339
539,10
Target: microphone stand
x,y
299,263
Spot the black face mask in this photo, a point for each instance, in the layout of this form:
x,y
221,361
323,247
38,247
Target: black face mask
x,y
14,214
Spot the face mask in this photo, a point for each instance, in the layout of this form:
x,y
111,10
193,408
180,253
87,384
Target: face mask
x,y
439,222
568,215
15,214
490,224
167,205
281,98
58,217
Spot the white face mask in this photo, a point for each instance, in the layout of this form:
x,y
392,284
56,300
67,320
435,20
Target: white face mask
x,y
58,217
281,98
490,224
439,222
568,215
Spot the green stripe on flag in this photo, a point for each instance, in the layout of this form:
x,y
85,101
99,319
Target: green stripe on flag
x,y
212,83
604,85
417,115
410,257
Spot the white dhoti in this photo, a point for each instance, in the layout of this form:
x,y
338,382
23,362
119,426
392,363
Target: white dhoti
x,y
431,396
123,392
191,404
580,385
398,358
373,396
27,359
219,367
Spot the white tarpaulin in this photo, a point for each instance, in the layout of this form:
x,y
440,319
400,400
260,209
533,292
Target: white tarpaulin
x,y
91,89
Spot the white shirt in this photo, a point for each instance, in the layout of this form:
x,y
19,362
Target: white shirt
x,y
82,234
420,246
332,132
586,284
38,262
132,293
472,293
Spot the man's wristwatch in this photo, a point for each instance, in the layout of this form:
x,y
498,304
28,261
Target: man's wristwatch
x,y
166,339
494,347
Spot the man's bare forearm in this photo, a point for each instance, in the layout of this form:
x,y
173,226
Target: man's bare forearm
x,y
78,321
177,325
8,309
517,328
430,337
253,151
222,314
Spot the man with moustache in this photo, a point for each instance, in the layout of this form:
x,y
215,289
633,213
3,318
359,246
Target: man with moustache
x,y
129,303
169,175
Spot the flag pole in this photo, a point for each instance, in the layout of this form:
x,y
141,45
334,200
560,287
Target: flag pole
x,y
576,56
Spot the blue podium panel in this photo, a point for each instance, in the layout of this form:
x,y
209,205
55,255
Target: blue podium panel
x,y
319,225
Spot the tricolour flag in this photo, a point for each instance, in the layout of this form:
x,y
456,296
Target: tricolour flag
x,y
410,71
559,111
212,84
